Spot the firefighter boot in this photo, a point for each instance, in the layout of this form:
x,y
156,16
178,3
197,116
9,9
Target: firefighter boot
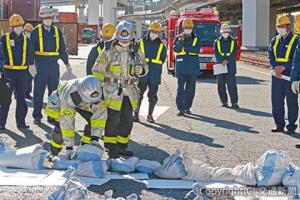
x,y
112,151
121,149
136,117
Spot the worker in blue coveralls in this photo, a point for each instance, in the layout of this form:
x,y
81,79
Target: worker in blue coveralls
x,y
281,51
106,34
17,57
48,45
225,49
155,55
186,47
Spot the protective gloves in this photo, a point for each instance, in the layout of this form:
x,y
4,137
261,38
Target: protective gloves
x,y
295,87
32,70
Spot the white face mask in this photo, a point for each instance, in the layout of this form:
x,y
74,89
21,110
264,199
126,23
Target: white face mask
x,y
18,30
47,22
27,34
225,35
153,36
282,31
188,31
126,44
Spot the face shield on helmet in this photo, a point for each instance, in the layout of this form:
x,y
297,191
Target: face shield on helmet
x,y
89,88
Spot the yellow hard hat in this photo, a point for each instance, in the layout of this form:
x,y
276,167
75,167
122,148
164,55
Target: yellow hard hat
x,y
187,23
155,27
283,20
16,20
28,27
108,30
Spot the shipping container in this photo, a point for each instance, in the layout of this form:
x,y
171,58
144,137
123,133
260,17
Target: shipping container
x,y
67,17
83,26
28,9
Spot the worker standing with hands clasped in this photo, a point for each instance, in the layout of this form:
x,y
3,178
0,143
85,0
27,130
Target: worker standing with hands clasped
x,y
281,52
49,46
106,35
186,47
155,55
225,49
18,55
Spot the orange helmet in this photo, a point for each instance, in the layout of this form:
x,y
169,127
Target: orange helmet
x,y
187,23
28,27
155,27
108,30
16,20
283,20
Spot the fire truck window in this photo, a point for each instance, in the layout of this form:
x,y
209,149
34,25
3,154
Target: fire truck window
x,y
207,32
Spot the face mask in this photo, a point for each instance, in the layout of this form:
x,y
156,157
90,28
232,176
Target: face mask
x,y
188,31
281,31
153,36
27,34
225,35
18,30
47,22
124,44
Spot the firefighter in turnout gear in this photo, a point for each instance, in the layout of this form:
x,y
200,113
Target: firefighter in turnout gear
x,y
83,96
106,35
155,52
119,67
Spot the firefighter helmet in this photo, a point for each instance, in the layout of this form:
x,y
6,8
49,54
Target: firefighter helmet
x,y
28,27
124,31
16,20
187,23
46,12
89,88
155,27
283,20
225,28
108,30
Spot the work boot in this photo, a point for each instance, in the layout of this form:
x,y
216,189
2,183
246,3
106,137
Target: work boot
x,y
123,151
188,111
150,119
113,154
180,113
51,120
235,106
297,146
22,126
290,132
225,105
28,96
136,117
277,130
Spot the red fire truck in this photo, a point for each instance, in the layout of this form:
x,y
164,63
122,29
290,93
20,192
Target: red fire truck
x,y
206,26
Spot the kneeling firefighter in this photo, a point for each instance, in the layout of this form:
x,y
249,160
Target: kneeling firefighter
x,y
119,68
83,96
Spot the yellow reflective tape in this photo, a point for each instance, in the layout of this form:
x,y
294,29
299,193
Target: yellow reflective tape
x,y
114,104
56,145
99,75
68,133
86,139
102,104
41,52
15,67
195,41
275,46
220,50
157,60
115,68
52,113
98,123
111,140
67,112
38,53
99,50
231,48
123,140
134,104
24,51
9,51
56,38
142,46
41,42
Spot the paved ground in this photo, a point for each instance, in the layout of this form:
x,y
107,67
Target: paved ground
x,y
215,135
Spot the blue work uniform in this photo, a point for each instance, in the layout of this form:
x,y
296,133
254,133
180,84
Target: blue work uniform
x,y
17,56
280,53
227,50
48,46
187,69
28,89
94,53
295,72
155,55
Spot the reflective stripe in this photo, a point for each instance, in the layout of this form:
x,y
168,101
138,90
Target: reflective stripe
x,y
52,113
67,112
123,140
114,104
183,52
98,123
157,59
111,140
56,145
41,43
134,104
68,133
86,139
220,50
195,41
288,51
115,68
10,55
99,75
99,50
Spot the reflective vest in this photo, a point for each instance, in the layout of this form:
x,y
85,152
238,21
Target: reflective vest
x,y
157,60
41,43
220,50
99,50
183,52
10,55
288,51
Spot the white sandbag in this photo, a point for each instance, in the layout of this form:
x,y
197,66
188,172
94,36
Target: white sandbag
x,y
147,166
68,75
271,167
88,152
123,165
245,174
108,195
198,192
220,174
95,169
292,178
31,157
172,167
196,170
62,163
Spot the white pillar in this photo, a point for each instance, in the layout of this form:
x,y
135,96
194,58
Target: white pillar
x,y
81,18
109,11
256,23
138,28
93,13
272,23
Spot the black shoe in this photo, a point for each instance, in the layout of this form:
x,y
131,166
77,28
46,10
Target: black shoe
x,y
150,119
113,154
136,117
277,130
2,128
28,96
37,121
188,111
124,152
22,126
180,113
235,106
225,105
297,146
50,120
290,132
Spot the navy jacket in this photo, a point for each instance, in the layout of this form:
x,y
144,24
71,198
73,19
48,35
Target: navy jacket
x,y
187,64
295,66
281,50
49,42
155,70
225,48
17,50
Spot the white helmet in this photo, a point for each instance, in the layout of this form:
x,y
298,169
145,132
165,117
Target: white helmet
x,y
46,12
89,88
124,31
225,28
